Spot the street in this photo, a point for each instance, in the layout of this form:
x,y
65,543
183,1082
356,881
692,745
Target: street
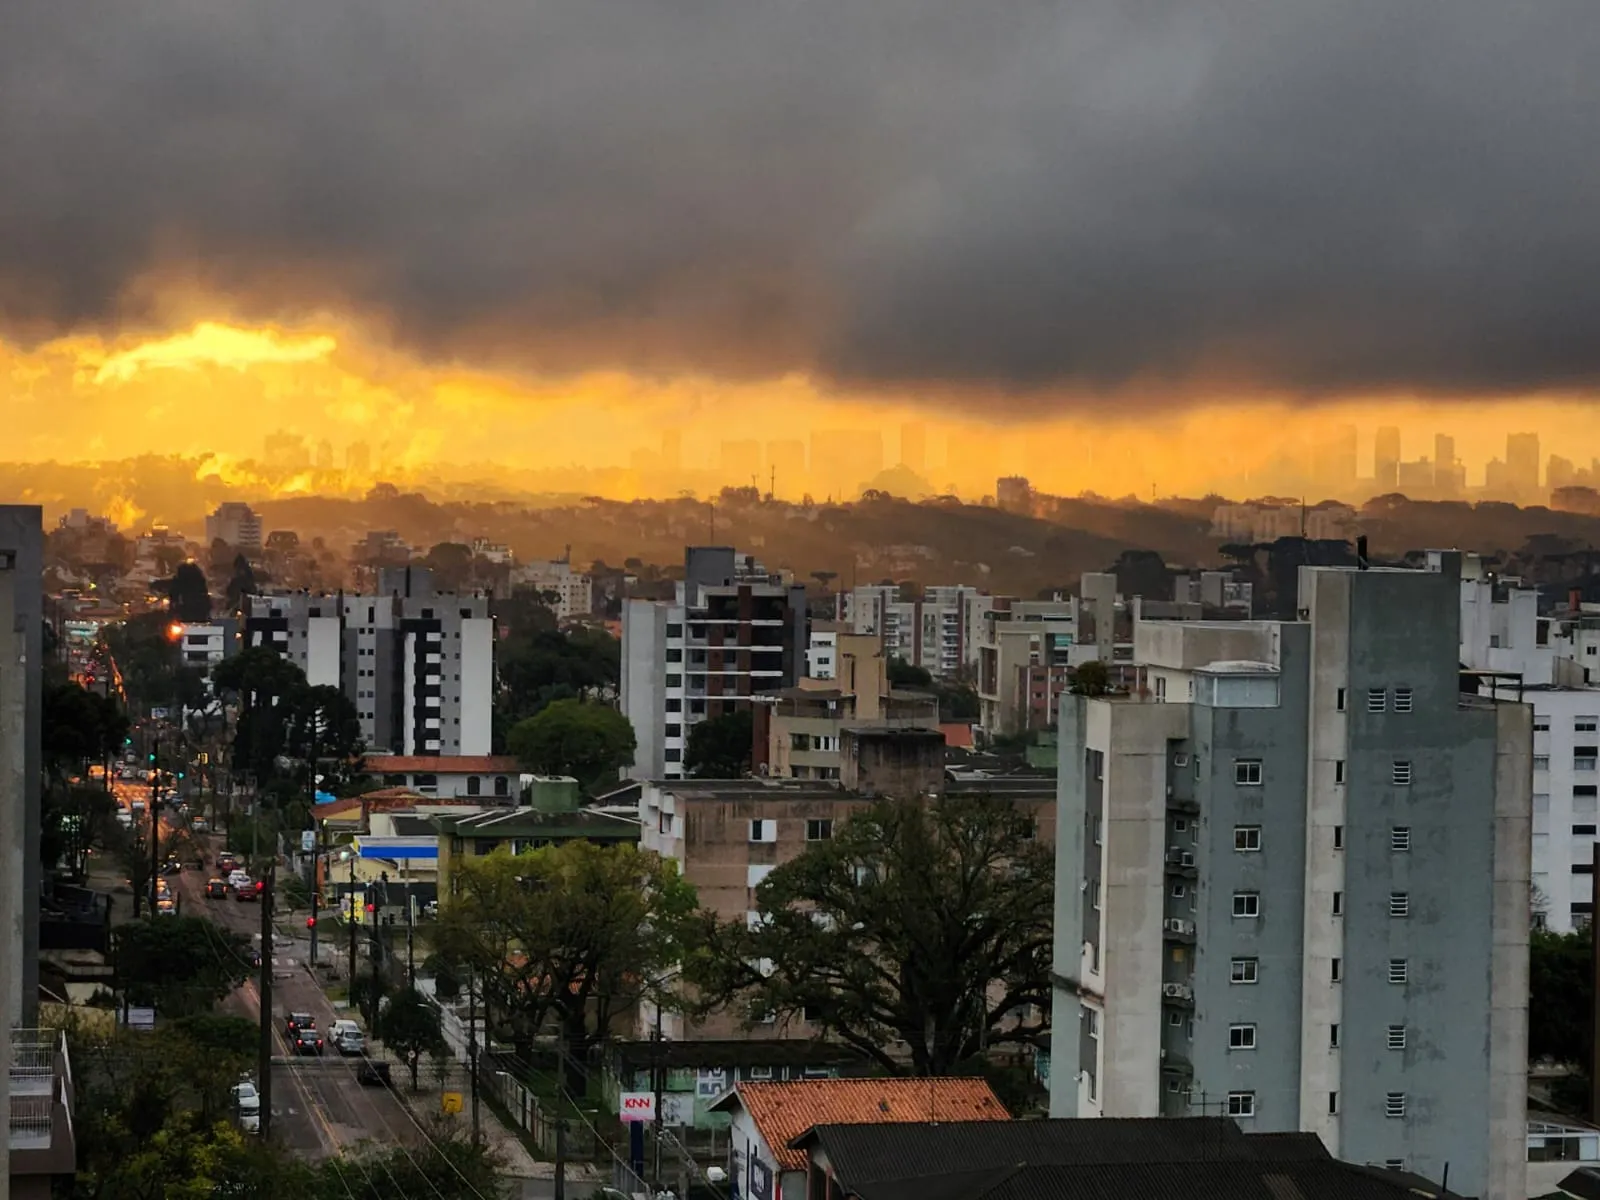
x,y
318,1107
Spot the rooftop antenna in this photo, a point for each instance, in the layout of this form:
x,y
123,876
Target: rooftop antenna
x,y
772,483
712,506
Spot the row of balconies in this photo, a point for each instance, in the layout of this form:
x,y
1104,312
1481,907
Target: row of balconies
x,y
40,1135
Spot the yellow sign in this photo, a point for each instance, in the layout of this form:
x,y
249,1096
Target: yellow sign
x,y
450,1102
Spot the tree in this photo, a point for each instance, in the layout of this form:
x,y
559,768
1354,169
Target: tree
x,y
587,741
720,748
917,928
262,683
1560,997
241,583
79,728
1091,679
367,993
179,965
451,564
568,936
904,674
410,1026
445,1167
188,596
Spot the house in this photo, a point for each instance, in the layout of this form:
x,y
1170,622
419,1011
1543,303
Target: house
x,y
1153,1158
555,816
766,1118
469,775
698,1073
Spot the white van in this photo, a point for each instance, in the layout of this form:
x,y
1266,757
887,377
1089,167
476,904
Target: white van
x,y
247,1102
347,1037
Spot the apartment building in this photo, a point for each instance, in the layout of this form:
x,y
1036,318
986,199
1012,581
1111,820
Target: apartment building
x,y
1293,884
732,633
203,644
418,664
237,525
1503,631
938,632
571,592
1566,804
1026,650
21,700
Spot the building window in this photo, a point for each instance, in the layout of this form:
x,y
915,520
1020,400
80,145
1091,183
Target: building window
x,y
1338,770
799,741
1247,772
1338,702
1397,1037
819,830
1246,838
1094,894
1583,758
1241,1104
674,705
1394,1105
1180,825
1400,839
1541,724
1583,831
674,729
1333,1104
1399,970
1541,762
1241,1037
1338,904
1244,970
1178,891
1377,699
474,785
763,831
1399,904
674,681
1395,1164
1247,904
1402,699
1400,773
672,754
674,630
1584,724
674,655
1338,837
1333,1036
1336,970
502,786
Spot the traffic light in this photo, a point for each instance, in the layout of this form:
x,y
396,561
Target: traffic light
x,y
311,922
371,908
261,886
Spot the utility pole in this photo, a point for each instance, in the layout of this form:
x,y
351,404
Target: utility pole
x,y
472,1060
155,821
316,895
350,919
264,1049
561,1120
411,945
656,1073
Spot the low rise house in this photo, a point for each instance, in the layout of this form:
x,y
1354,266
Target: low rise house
x,y
490,776
767,1119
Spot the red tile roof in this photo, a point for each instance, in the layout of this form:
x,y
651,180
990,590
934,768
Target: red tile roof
x,y
958,736
451,764
783,1111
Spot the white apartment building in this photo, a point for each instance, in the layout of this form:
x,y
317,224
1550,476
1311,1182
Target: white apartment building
x,y
571,593
1269,520
732,635
417,664
938,632
203,644
1566,804
1293,881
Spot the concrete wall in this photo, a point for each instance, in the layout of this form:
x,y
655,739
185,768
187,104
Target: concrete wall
x,y
21,615
644,632
475,691
902,763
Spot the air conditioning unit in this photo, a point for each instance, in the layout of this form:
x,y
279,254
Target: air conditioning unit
x,y
1177,991
1176,855
1180,760
1178,925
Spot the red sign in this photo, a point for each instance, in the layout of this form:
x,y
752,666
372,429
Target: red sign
x,y
638,1106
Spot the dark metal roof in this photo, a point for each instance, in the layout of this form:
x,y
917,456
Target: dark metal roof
x,y
1195,1158
1324,1179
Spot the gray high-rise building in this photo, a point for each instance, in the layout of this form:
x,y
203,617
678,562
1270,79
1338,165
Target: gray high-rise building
x,y
418,664
21,646
1292,884
1522,463
1386,459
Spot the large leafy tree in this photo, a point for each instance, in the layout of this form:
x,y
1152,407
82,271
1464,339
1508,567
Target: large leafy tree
x,y
79,728
410,1026
587,741
920,931
1560,997
188,595
720,748
180,965
264,685
566,937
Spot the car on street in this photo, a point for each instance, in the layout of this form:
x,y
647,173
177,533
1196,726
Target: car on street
x,y
236,875
227,861
296,1021
347,1037
166,906
200,825
216,888
307,1041
245,889
172,867
161,887
373,1073
247,1103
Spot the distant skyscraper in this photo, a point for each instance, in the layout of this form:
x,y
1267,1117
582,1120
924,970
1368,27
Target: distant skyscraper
x,y
1334,461
286,451
1522,462
914,445
324,460
1561,472
845,460
671,450
1448,477
1386,459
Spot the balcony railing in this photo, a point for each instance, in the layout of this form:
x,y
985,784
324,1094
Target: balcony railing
x,y
39,1130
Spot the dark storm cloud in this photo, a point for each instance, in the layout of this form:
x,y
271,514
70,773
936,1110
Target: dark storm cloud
x,y
1368,194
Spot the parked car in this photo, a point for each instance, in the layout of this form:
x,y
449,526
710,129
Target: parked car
x,y
247,1103
200,825
237,875
373,1074
246,889
216,888
347,1037
296,1021
307,1041
227,861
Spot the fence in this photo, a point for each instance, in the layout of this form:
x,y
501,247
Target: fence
x,y
529,1113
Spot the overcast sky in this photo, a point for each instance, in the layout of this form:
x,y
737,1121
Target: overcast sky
x,y
1006,195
